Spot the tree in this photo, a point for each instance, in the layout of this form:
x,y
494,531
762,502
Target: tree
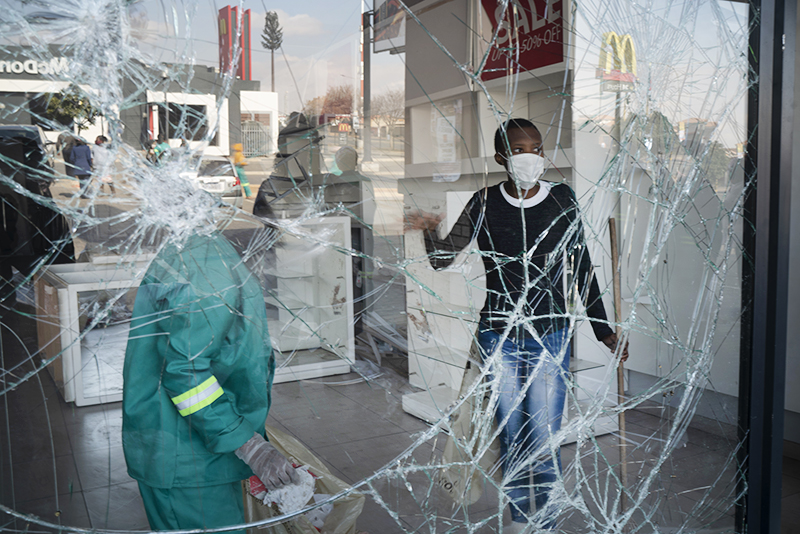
x,y
272,39
313,107
338,100
72,106
390,107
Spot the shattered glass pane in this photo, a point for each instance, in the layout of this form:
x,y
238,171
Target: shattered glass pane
x,y
204,221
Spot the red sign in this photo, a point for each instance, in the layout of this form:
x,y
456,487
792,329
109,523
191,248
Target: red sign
x,y
245,65
228,32
530,36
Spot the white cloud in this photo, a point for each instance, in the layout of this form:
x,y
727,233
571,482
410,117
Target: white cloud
x,y
301,25
312,77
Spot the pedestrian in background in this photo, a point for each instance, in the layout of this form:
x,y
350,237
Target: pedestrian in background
x,y
66,140
81,159
150,153
101,163
162,151
239,161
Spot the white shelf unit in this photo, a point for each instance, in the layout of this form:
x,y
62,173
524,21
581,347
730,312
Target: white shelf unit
x,y
312,333
86,362
442,309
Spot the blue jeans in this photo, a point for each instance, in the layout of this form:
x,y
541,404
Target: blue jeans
x,y
533,416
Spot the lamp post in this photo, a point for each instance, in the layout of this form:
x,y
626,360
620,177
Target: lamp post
x,y
366,24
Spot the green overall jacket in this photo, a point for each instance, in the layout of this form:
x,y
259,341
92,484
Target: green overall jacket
x,y
198,367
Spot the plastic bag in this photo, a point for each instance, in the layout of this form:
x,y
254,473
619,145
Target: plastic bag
x,y
340,520
289,498
467,436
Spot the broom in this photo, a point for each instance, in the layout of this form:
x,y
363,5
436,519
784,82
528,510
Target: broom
x,y
612,228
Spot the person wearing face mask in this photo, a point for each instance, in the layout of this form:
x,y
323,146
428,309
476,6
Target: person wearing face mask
x,y
531,240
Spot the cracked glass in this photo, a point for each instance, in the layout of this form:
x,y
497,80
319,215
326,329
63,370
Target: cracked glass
x,y
476,267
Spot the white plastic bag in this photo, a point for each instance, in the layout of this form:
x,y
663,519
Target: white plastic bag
x,y
340,520
467,437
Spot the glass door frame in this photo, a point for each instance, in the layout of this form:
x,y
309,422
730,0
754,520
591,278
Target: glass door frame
x,y
765,276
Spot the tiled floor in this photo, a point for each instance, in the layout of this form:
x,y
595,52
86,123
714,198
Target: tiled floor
x,y
65,464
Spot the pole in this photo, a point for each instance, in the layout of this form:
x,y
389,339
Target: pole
x,y
612,230
367,126
612,226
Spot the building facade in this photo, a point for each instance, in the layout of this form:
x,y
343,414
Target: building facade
x,y
185,105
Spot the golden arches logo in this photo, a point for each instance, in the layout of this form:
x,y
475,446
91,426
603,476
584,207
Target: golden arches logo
x,y
617,53
223,27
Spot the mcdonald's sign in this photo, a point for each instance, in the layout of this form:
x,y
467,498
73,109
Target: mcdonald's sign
x,y
617,66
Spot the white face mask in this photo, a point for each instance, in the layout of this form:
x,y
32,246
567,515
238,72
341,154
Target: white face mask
x,y
526,169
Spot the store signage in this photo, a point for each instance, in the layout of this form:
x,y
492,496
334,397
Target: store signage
x,y
57,65
617,67
530,35
227,33
227,19
389,22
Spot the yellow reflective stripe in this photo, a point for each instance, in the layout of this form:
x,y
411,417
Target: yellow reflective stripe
x,y
198,397
194,391
202,404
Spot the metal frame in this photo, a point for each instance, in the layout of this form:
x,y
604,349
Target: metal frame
x,y
765,276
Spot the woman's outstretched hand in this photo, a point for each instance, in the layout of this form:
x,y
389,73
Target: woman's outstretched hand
x,y
611,343
420,220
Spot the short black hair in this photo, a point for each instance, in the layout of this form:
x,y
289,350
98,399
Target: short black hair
x,y
503,129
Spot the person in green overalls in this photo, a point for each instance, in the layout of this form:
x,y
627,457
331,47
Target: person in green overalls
x,y
197,379
239,161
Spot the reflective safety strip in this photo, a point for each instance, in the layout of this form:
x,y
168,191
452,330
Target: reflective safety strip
x,y
198,398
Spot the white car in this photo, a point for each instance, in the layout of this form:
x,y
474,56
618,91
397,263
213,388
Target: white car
x,y
216,175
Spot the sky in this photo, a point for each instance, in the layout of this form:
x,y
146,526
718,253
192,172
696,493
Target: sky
x,y
320,43
321,49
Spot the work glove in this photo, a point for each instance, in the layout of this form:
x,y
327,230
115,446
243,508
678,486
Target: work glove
x,y
270,466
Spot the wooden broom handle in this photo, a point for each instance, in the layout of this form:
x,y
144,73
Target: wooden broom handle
x,y
617,287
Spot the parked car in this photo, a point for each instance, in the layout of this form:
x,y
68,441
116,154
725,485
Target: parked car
x,y
31,229
216,175
42,153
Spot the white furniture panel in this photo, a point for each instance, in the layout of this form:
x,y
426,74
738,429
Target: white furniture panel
x,y
83,317
84,312
312,331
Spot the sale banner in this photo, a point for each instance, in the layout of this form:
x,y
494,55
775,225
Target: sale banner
x,y
530,35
